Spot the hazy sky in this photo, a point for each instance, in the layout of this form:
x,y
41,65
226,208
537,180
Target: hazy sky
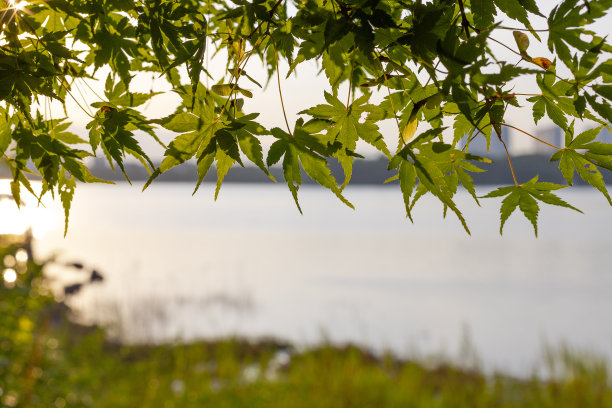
x,y
306,89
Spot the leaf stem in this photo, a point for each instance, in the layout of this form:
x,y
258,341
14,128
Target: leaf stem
x,y
348,98
391,101
61,81
280,92
236,76
76,85
528,134
506,149
430,77
389,93
501,43
521,29
92,90
545,71
509,160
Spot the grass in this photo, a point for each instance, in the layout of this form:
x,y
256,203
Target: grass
x,y
47,361
237,373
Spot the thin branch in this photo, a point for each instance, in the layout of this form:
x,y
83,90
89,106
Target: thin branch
x,y
280,92
430,77
499,136
520,29
235,76
91,89
545,71
507,153
61,81
348,98
528,134
389,93
509,161
271,13
464,21
250,53
501,43
76,85
391,101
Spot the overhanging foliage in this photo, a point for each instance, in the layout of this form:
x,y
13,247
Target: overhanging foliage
x,y
431,63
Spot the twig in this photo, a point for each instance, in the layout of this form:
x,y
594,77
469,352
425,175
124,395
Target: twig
x,y
348,98
507,153
236,76
528,134
76,85
509,160
91,89
430,77
520,29
501,43
391,101
464,21
271,13
74,99
280,92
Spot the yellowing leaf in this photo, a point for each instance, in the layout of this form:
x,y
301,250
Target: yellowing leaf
x,y
238,47
222,89
542,62
410,129
227,89
522,41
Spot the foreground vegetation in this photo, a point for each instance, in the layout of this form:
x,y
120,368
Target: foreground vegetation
x,y
46,361
422,82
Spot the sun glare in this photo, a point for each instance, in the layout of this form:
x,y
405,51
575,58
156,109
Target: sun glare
x,y
10,276
16,221
21,256
17,5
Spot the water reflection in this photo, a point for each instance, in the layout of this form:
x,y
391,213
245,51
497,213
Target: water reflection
x,y
31,215
362,276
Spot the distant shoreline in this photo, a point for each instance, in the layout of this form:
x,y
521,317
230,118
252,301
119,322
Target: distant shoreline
x,y
365,172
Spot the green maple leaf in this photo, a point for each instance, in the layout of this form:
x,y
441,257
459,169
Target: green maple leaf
x,y
437,168
66,188
484,13
565,22
346,128
196,127
593,154
525,197
301,149
246,130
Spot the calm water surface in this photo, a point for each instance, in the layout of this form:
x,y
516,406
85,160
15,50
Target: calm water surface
x,y
183,267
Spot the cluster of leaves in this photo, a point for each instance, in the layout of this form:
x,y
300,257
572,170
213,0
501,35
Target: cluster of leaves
x,y
428,63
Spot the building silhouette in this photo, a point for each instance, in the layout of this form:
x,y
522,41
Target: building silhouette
x,y
552,135
478,144
604,136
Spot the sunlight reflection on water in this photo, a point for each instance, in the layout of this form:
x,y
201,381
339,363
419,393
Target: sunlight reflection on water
x,y
14,220
178,266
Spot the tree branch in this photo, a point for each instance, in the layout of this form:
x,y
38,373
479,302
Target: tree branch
x,y
464,21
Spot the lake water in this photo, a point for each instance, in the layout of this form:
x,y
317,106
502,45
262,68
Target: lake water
x,y
183,267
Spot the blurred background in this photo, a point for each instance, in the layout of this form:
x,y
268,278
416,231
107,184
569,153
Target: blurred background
x,y
178,267
161,298
173,281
